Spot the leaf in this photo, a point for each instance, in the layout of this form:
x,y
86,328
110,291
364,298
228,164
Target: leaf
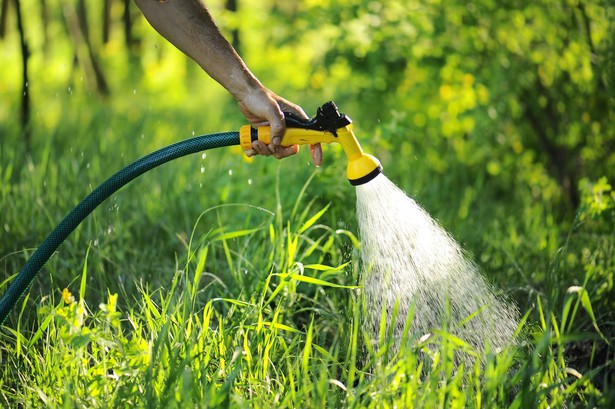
x,y
200,266
456,341
324,352
84,274
471,316
307,350
327,270
81,340
277,325
313,219
587,305
234,301
323,283
355,241
278,289
234,234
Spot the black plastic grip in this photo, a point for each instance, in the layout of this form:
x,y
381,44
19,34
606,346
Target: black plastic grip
x,y
328,118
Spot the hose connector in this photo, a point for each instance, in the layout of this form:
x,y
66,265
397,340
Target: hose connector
x,y
328,126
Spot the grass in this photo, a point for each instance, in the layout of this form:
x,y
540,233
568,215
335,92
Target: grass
x,y
223,333
212,282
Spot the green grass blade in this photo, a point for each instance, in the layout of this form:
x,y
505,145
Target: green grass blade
x,y
313,219
323,283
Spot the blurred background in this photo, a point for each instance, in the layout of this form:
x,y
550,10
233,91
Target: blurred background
x,y
497,116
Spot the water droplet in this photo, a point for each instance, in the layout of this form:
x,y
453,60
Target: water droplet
x,y
134,92
249,181
230,172
204,155
202,169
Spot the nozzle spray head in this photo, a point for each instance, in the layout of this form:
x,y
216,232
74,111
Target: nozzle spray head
x,y
328,126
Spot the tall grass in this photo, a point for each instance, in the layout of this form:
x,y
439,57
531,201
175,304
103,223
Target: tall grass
x,y
270,317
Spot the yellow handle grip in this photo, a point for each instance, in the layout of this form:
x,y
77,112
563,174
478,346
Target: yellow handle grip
x,y
292,136
361,167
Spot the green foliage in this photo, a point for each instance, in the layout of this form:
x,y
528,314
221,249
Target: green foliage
x,y
596,198
496,116
518,91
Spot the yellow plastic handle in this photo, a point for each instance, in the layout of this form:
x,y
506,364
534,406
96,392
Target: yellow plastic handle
x,y
361,166
292,136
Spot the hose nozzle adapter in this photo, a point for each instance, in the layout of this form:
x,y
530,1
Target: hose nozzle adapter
x,y
327,126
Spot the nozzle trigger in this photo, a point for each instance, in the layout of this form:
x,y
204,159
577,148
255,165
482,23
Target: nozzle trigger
x,y
327,118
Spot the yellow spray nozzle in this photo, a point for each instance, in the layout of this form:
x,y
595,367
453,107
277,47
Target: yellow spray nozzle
x,y
328,126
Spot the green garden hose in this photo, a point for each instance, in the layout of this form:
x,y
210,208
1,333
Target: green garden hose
x,y
328,126
98,195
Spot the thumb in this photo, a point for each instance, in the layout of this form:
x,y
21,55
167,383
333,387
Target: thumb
x,y
277,124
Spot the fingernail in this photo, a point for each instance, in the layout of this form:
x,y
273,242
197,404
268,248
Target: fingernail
x,y
317,159
249,153
276,140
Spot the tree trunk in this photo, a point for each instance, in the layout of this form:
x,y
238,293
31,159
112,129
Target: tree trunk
x,y
25,95
126,18
45,24
4,10
231,5
106,16
78,30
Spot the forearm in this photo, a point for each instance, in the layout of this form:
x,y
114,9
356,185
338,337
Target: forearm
x,y
188,25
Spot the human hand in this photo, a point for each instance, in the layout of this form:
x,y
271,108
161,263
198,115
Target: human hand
x,y
262,107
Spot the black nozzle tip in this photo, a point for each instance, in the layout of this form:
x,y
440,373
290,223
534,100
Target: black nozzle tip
x,y
367,178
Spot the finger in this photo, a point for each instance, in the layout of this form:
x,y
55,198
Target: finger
x,y
277,124
261,148
284,151
316,153
288,106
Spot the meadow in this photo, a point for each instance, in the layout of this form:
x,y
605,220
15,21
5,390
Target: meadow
x,y
222,281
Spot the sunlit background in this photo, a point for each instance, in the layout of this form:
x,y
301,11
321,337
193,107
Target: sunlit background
x,y
496,116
